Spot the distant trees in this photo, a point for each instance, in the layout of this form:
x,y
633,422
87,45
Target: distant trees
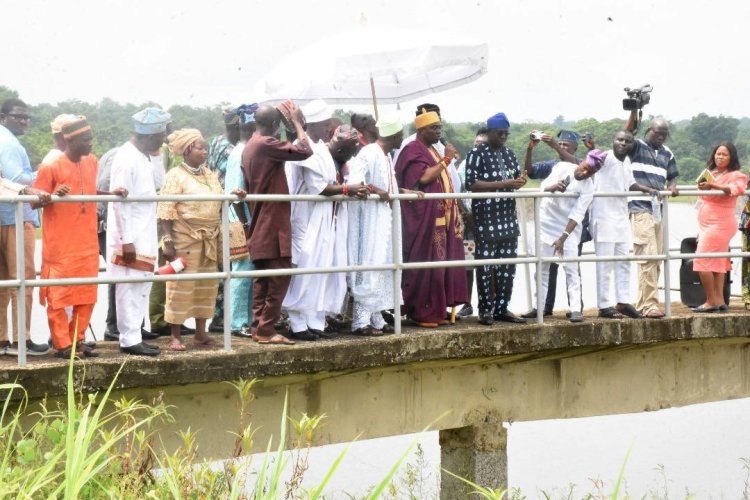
x,y
691,140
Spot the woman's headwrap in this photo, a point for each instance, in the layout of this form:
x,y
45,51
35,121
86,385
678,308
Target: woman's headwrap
x,y
246,112
181,141
345,133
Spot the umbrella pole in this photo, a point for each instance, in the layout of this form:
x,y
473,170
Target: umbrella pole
x,y
374,98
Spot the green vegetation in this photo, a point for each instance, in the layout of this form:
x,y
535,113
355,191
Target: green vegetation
x,y
691,140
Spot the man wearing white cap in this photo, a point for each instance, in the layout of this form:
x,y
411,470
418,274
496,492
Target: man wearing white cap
x,y
317,241
57,137
370,238
131,227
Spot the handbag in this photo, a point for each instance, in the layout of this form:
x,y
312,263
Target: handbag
x,y
237,241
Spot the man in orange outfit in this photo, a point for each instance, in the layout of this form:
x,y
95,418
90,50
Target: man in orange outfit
x,y
66,255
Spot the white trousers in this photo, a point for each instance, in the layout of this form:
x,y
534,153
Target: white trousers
x,y
572,279
132,306
302,320
604,272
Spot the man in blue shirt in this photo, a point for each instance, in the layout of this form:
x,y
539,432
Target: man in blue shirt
x,y
15,167
654,166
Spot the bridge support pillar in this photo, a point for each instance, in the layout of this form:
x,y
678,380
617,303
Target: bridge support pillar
x,y
477,452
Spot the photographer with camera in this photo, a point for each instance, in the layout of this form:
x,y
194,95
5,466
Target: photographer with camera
x,y
566,147
654,167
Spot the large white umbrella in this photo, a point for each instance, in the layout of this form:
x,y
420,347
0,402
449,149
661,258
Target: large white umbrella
x,y
378,65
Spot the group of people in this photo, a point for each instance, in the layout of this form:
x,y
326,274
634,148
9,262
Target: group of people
x,y
368,161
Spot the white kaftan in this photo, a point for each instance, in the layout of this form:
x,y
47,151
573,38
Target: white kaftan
x,y
318,240
132,223
370,236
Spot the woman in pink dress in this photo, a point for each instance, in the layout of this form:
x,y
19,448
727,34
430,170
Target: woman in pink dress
x,y
717,223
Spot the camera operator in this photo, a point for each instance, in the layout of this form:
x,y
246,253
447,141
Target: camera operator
x,y
566,147
654,166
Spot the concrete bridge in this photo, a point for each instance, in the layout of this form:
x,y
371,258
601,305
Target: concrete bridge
x,y
476,377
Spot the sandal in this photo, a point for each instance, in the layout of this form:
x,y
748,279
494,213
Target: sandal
x,y
206,343
176,346
610,313
387,329
365,331
426,325
276,339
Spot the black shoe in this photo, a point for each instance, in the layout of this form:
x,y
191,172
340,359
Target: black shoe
x,y
465,311
530,315
216,326
243,332
486,319
303,335
32,349
141,349
108,335
145,334
388,317
324,334
91,344
548,312
508,317
162,331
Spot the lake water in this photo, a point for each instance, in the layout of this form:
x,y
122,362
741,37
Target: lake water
x,y
695,449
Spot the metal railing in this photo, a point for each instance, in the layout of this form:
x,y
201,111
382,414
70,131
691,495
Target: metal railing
x,y
398,266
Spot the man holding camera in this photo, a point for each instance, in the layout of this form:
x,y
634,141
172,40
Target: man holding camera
x,y
566,147
654,166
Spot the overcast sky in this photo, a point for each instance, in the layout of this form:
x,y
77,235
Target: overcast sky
x,y
546,57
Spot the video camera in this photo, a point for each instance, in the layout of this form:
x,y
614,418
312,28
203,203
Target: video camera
x,y
637,98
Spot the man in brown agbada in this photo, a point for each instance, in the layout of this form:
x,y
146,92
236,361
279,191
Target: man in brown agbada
x,y
270,240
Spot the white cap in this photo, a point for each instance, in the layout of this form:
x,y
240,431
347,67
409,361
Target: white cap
x,y
316,111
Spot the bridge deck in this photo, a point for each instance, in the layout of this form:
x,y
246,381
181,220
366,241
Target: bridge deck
x,y
463,341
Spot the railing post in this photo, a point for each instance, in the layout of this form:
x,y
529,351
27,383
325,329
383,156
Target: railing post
x,y
226,266
525,250
667,261
20,332
398,258
538,252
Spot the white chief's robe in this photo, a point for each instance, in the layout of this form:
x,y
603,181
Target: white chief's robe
x,y
318,240
133,223
371,238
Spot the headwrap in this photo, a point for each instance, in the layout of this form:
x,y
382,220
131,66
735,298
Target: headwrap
x,y
181,140
595,159
389,126
59,121
151,121
230,116
498,121
316,111
246,113
568,136
74,128
345,133
426,119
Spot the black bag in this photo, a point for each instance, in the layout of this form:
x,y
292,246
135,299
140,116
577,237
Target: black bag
x,y
691,290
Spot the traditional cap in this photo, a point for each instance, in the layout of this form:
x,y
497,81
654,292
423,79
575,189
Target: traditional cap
x,y
498,121
595,159
60,120
76,127
389,126
344,133
316,111
230,116
151,121
246,113
426,119
181,140
568,136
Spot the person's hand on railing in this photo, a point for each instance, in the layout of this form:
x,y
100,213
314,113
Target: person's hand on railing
x,y
358,190
240,193
674,190
514,184
44,197
420,194
62,190
120,191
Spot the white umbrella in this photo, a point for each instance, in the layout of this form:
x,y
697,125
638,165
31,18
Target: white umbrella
x,y
375,65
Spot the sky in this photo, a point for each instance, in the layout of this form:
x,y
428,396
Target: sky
x,y
546,57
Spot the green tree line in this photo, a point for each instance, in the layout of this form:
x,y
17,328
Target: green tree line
x,y
691,140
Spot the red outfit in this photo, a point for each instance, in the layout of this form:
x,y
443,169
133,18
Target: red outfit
x,y
66,254
270,241
717,222
431,232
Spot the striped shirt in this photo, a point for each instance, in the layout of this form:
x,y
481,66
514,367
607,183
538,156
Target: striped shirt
x,y
653,168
